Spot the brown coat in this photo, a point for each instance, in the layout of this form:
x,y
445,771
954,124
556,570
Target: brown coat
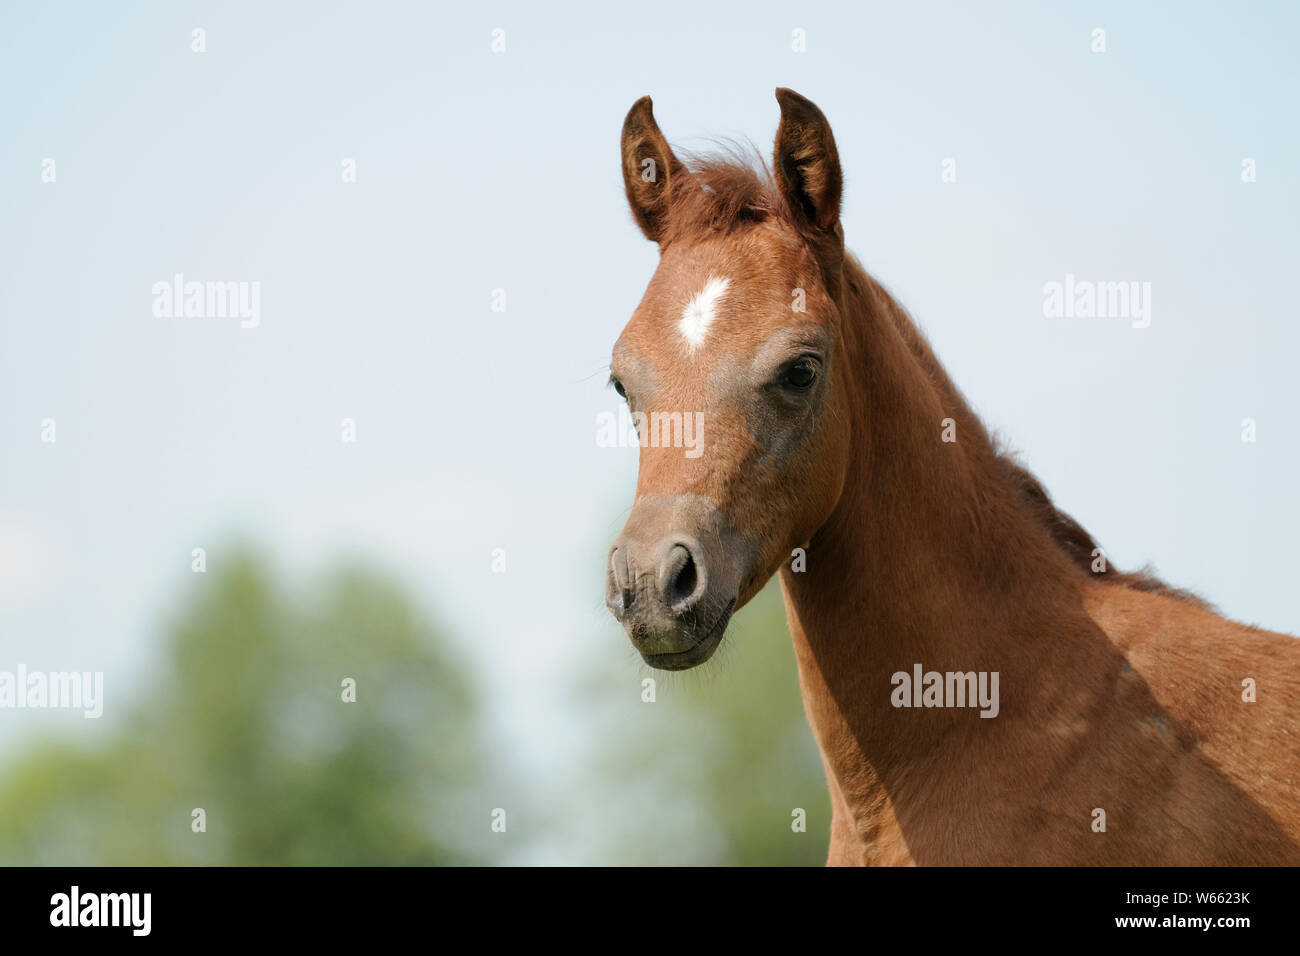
x,y
1134,725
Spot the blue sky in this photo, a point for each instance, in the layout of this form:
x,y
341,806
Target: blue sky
x,y
479,171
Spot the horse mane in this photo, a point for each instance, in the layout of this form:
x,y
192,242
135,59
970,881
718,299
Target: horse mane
x,y
1072,538
726,191
734,189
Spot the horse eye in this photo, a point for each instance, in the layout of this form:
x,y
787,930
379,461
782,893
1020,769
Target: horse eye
x,y
618,387
800,375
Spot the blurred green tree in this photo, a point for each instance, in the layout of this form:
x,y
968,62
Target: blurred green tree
x,y
247,721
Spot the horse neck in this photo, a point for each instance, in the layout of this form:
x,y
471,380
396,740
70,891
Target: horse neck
x,y
930,556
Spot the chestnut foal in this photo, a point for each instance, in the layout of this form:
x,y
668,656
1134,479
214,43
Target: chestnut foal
x,y
921,567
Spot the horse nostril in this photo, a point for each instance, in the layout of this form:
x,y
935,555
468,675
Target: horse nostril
x,y
619,590
622,578
678,576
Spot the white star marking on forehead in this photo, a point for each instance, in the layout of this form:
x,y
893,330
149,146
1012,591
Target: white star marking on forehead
x,y
700,312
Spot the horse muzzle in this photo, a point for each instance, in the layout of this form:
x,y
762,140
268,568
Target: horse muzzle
x,y
673,578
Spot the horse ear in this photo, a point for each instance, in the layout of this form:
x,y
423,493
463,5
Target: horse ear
x,y
806,161
649,167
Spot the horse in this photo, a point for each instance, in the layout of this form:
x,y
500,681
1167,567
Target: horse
x,y
1130,723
